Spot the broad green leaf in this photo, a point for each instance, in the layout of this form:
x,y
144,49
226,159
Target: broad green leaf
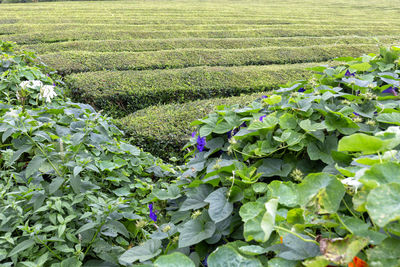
x,y
252,250
148,250
268,220
382,173
24,245
195,197
228,256
279,262
308,126
86,227
319,261
55,184
250,210
71,262
285,192
196,230
205,130
175,259
268,123
274,99
383,204
220,208
342,251
322,150
288,121
274,167
392,118
172,192
361,66
388,250
343,124
361,143
222,127
34,165
297,248
328,190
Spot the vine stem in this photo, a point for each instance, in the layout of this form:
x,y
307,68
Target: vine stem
x,y
94,237
345,226
51,251
296,234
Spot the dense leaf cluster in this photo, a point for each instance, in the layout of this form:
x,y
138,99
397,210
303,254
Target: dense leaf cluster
x,y
309,173
70,186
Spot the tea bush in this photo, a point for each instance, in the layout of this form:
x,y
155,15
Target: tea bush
x,y
70,62
124,92
308,174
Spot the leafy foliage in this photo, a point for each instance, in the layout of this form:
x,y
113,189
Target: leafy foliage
x,y
71,187
308,173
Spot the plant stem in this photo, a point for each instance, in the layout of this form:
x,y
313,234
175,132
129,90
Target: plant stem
x,y
345,226
94,237
51,251
296,234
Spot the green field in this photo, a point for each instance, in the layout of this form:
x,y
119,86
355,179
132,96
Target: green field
x,y
123,56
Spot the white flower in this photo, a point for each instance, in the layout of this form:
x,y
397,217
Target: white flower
x,y
12,113
47,91
352,183
31,84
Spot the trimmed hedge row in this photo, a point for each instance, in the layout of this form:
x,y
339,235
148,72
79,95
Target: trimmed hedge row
x,y
78,61
27,28
123,92
138,45
58,36
164,129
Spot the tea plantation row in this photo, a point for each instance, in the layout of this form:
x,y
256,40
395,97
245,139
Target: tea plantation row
x,y
123,56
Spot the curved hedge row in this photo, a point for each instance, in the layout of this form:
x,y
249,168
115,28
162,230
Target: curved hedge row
x,y
164,129
122,92
70,62
138,45
59,36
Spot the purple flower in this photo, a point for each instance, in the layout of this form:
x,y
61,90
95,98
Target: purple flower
x,y
194,134
301,90
349,74
262,117
391,90
243,125
356,114
54,84
152,214
201,142
264,96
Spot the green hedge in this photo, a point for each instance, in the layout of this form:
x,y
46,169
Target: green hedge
x,y
70,62
123,92
71,35
164,129
205,43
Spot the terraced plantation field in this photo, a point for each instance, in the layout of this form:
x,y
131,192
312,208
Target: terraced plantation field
x,y
145,61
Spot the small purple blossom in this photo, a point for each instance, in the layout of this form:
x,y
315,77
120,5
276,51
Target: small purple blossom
x,y
54,84
391,90
349,74
356,114
243,125
301,90
152,213
201,142
193,134
262,117
264,96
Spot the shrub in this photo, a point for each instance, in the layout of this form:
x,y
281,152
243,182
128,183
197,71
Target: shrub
x,y
309,174
124,92
70,62
163,130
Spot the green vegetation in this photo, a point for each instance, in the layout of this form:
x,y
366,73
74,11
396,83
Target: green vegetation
x,y
163,130
123,92
123,56
308,175
70,62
